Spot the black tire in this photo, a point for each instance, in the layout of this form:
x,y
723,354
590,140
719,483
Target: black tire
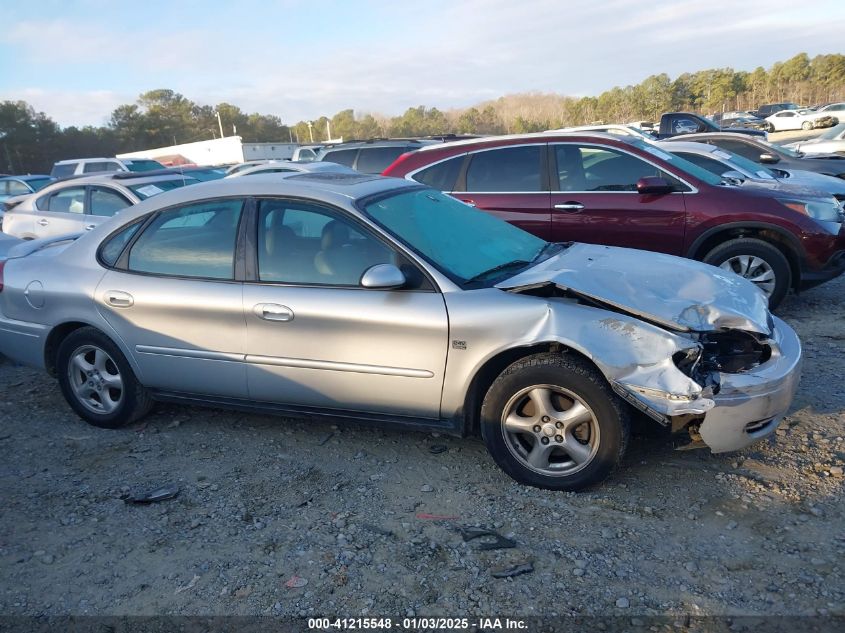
x,y
772,256
133,403
577,377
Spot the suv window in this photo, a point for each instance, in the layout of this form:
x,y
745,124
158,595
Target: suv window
x,y
374,160
299,243
105,202
589,168
506,169
441,176
101,165
70,200
64,170
197,240
341,156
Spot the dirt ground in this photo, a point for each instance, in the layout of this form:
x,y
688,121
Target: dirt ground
x,y
300,518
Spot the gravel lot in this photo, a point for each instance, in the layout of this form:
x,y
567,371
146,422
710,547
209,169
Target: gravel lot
x,y
305,518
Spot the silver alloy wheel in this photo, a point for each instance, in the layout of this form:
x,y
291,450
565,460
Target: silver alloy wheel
x,y
755,269
95,379
550,430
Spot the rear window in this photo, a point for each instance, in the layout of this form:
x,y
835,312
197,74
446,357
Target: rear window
x,y
441,176
374,160
151,189
99,166
143,165
64,170
506,169
341,156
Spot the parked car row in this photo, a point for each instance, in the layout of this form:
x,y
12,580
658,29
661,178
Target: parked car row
x,y
311,288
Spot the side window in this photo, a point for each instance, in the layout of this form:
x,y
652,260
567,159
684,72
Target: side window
x,y
374,160
341,156
711,165
306,244
70,200
441,176
97,166
597,169
64,170
192,241
111,250
106,202
507,169
16,188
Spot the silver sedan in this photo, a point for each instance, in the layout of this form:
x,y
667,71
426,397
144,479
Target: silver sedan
x,y
380,300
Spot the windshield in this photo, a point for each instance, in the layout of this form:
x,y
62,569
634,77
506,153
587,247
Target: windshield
x,y
681,163
746,165
783,150
462,242
159,186
38,183
143,165
833,132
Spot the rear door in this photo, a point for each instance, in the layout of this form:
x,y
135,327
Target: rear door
x,y
103,203
61,212
511,183
173,300
595,200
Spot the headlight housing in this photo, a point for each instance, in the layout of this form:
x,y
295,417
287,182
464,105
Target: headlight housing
x,y
823,210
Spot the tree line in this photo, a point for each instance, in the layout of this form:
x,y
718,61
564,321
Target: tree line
x,y
31,141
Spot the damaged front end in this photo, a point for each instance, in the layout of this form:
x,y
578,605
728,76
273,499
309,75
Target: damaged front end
x,y
733,369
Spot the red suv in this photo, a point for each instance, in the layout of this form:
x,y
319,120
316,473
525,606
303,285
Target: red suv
x,y
610,190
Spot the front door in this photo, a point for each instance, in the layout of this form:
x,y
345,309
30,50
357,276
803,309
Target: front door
x,y
316,338
594,199
173,300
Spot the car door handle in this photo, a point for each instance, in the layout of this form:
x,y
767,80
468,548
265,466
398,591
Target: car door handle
x,y
572,207
119,299
43,222
273,312
90,227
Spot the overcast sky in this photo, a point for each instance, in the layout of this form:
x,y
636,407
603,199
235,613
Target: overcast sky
x,y
78,59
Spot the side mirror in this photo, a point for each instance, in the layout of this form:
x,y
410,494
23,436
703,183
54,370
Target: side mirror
x,y
654,185
383,277
769,159
734,177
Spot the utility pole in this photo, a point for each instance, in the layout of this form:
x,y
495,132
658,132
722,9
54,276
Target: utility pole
x,y
220,123
310,131
329,130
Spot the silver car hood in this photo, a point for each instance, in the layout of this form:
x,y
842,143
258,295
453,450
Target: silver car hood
x,y
680,294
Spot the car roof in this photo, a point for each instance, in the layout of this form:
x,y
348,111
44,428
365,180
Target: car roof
x,y
380,142
679,146
26,177
77,160
545,137
704,135
333,188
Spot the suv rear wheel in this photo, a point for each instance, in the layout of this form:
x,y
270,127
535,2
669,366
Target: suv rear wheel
x,y
759,262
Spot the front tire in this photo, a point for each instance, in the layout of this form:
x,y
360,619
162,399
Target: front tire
x,y
807,125
759,262
552,421
97,381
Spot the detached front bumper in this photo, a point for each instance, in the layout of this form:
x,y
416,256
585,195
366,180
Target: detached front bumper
x,y
750,406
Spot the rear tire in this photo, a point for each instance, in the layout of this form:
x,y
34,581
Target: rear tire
x,y
807,125
758,261
583,426
98,382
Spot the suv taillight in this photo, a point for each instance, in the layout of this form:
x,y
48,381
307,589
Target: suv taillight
x,y
2,266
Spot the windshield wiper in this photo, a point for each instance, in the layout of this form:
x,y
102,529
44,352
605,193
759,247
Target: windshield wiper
x,y
500,267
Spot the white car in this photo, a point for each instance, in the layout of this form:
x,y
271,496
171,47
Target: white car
x,y
831,142
79,204
795,120
80,166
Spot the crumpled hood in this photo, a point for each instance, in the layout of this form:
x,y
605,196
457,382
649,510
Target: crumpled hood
x,y
678,293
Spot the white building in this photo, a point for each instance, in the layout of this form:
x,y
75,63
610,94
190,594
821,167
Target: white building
x,y
221,151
